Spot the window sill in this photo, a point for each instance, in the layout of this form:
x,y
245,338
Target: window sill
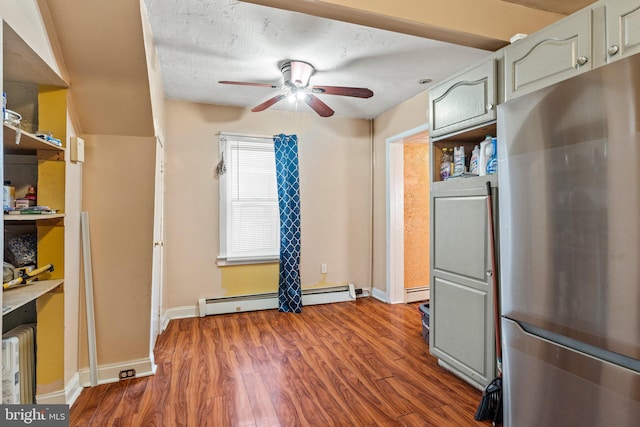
x,y
224,262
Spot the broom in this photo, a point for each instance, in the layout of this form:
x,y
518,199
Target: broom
x,y
491,403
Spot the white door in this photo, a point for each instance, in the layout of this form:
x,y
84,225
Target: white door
x,y
157,282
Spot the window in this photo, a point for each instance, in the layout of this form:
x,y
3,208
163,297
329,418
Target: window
x,y
249,216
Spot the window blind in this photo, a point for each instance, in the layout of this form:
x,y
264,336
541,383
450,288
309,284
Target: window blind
x,y
250,200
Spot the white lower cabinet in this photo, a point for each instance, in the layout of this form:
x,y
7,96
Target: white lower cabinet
x,y
462,334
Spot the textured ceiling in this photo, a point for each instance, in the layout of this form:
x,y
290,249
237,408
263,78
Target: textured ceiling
x,y
200,43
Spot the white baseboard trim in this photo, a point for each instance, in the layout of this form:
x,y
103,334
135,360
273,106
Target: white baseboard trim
x,y
67,396
380,295
73,389
416,294
53,398
111,373
183,312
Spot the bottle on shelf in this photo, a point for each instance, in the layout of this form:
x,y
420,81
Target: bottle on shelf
x,y
458,161
485,154
492,162
445,163
473,163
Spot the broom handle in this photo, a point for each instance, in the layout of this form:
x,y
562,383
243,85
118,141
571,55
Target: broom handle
x,y
496,300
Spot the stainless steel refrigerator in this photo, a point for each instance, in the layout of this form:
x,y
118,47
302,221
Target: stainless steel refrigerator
x,y
569,179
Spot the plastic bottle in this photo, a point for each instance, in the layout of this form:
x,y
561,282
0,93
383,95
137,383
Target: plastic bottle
x,y
445,164
492,162
473,163
458,160
485,154
8,196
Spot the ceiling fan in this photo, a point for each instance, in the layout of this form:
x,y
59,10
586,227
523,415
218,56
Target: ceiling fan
x,y
296,75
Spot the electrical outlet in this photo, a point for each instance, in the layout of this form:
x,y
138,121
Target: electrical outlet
x,y
127,373
323,268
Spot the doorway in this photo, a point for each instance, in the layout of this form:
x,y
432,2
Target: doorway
x,y
408,216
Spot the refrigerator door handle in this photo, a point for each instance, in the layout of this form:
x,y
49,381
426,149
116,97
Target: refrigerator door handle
x,y
582,347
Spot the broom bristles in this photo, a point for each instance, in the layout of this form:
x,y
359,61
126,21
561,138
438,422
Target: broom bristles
x,y
490,407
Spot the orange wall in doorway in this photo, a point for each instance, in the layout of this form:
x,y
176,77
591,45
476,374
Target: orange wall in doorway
x,y
416,215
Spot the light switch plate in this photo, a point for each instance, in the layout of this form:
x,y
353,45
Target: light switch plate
x,y
77,149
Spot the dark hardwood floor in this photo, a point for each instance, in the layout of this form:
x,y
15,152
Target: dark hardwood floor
x,y
361,363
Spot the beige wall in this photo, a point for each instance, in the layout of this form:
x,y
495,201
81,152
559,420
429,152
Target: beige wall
x,y
404,117
334,158
117,191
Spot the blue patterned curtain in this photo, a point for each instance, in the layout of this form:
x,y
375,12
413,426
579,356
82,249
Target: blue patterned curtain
x,y
289,288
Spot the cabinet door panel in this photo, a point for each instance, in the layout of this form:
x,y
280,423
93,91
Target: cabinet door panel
x,y
461,334
549,56
466,100
623,28
460,235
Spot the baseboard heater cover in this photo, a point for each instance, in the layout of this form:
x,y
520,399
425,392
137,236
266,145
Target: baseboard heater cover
x,y
268,301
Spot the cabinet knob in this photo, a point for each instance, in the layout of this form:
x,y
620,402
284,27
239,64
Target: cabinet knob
x,y
613,50
489,106
489,273
582,60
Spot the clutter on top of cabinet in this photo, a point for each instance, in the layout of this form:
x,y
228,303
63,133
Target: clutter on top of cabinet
x,y
461,162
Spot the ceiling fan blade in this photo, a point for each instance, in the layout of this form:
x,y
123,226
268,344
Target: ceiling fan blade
x,y
318,106
227,82
358,92
268,103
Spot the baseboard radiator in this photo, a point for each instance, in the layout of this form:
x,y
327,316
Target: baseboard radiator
x,y
420,293
267,301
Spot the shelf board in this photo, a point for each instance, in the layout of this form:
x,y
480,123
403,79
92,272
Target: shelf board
x,y
473,135
19,296
28,141
33,217
463,186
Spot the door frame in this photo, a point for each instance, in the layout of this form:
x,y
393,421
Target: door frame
x,y
395,293
157,275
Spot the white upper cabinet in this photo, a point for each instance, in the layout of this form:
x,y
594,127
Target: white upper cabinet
x,y
556,53
466,100
623,28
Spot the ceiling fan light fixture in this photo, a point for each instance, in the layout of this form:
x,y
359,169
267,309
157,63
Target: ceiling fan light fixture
x,y
297,73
